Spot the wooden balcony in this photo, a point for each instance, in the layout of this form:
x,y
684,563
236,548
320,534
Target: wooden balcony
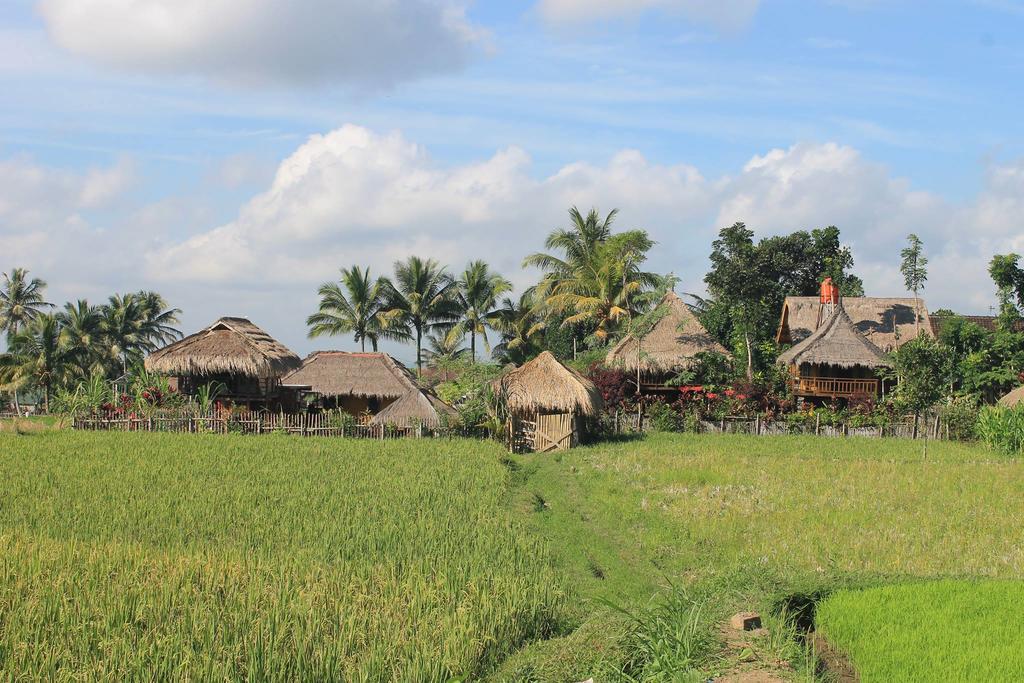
x,y
835,387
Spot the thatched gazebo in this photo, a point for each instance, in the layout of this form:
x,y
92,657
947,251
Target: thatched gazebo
x,y
668,349
358,383
836,361
546,404
232,352
419,407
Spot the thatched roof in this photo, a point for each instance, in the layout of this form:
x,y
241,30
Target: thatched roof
x,y
670,346
1013,398
343,373
887,322
837,342
545,385
233,346
417,406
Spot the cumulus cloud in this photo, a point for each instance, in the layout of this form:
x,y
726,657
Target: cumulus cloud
x,y
722,13
364,44
358,196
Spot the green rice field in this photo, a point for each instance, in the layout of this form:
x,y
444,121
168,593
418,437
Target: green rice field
x,y
129,556
935,631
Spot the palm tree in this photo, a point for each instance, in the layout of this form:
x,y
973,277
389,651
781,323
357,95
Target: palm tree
x,y
597,279
421,298
21,302
158,321
518,323
477,294
83,338
444,352
35,357
357,308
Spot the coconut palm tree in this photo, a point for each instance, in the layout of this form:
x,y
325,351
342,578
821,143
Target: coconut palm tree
x,y
421,298
477,295
444,352
594,283
35,357
21,302
518,323
352,305
83,338
158,321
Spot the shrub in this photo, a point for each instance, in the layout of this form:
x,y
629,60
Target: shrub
x,y
961,418
663,418
1002,429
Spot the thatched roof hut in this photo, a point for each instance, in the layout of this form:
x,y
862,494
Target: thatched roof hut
x,y
416,407
888,322
230,346
837,342
343,373
1013,398
670,346
544,385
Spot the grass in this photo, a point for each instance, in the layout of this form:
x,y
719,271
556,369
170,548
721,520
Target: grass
x,y
934,631
747,523
153,556
277,558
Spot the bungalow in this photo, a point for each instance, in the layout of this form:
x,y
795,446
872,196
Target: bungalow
x,y
233,352
886,322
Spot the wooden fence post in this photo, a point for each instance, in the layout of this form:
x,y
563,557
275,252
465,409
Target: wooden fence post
x,y
817,425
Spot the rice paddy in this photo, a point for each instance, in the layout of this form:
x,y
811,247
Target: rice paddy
x,y
174,557
934,631
278,558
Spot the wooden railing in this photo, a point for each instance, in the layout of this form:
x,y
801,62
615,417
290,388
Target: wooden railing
x,y
834,386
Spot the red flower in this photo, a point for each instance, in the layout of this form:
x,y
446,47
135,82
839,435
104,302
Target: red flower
x,y
711,395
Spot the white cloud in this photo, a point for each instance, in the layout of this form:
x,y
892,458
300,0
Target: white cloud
x,y
728,14
366,44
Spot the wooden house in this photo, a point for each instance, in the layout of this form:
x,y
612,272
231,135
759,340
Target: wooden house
x,y
240,357
546,403
837,361
886,322
667,350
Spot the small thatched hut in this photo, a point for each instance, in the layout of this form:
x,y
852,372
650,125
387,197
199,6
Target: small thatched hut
x,y
836,361
358,383
668,349
233,352
546,403
419,407
1013,399
887,322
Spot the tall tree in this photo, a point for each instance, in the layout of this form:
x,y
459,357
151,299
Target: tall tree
x,y
1009,280
35,357
594,284
353,305
915,272
83,339
21,302
519,325
419,299
444,352
158,320
477,292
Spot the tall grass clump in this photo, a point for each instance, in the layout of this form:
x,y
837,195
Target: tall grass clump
x,y
1002,429
192,557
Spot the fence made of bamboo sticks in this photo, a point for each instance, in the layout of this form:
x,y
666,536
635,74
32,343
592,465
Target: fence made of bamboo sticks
x,y
247,422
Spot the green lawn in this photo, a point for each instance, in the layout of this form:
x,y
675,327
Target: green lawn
x,y
935,631
275,558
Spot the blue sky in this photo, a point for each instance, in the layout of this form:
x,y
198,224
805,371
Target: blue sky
x,y
234,159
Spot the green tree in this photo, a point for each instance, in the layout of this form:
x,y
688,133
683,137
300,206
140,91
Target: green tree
x,y
21,302
923,367
520,327
419,299
353,305
35,357
477,293
1009,279
83,339
915,272
443,353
